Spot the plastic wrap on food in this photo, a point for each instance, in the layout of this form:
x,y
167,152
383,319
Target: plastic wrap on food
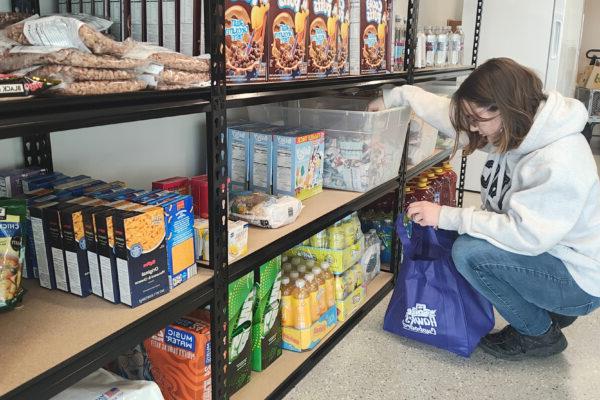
x,y
101,87
66,73
183,78
12,251
19,86
167,57
10,18
265,210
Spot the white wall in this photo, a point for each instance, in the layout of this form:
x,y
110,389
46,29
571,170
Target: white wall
x,y
136,152
4,5
437,13
590,38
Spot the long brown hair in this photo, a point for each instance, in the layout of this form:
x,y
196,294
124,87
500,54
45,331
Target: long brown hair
x,y
499,84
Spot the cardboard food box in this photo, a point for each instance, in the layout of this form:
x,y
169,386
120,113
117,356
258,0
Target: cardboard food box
x,y
105,242
92,247
179,184
238,156
245,40
237,239
299,340
179,226
266,324
261,160
41,237
343,38
298,162
180,358
590,77
323,31
239,332
75,250
375,57
54,244
288,39
340,260
11,180
141,254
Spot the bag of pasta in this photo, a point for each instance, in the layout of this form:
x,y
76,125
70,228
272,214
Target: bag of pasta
x,y
12,251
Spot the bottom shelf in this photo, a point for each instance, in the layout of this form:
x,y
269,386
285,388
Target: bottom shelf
x,y
283,374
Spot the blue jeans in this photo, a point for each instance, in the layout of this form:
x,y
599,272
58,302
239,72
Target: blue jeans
x,y
522,288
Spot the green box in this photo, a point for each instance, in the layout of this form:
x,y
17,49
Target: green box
x,y
266,326
240,303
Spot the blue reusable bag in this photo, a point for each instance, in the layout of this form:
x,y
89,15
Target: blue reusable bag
x,y
432,303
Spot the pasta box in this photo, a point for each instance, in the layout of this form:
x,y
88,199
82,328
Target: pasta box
x,y
141,254
105,241
11,180
54,244
40,235
92,248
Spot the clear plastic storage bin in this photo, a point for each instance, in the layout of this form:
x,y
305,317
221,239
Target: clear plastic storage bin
x,y
362,149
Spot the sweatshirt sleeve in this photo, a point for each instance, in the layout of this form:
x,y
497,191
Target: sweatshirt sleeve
x,y
544,209
433,109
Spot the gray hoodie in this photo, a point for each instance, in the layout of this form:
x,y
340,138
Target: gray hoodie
x,y
543,196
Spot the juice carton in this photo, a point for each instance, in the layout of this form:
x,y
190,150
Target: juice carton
x,y
298,159
239,330
323,38
75,250
245,43
180,358
266,324
288,38
140,254
179,225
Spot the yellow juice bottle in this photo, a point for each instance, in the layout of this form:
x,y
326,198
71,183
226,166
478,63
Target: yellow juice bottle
x,y
318,273
329,285
296,261
287,310
286,268
301,270
313,289
294,276
301,305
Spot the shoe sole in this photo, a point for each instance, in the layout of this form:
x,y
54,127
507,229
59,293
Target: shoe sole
x,y
537,353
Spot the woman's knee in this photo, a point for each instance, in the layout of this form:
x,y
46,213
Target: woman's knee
x,y
467,252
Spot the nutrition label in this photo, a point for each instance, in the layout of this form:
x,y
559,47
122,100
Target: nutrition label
x,y
40,253
59,269
107,279
95,273
238,163
123,274
73,271
284,171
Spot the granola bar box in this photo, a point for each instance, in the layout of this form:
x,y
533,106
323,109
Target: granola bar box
x,y
245,40
288,39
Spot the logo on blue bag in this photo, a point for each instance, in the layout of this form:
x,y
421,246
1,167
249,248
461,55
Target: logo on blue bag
x,y
420,319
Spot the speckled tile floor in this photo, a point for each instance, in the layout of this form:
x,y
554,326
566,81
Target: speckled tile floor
x,y
370,364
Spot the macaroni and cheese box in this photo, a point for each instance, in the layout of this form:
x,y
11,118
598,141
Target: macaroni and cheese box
x,y
179,226
141,254
105,242
75,250
39,229
11,180
298,162
92,248
180,358
30,269
177,184
54,245
104,188
238,156
41,181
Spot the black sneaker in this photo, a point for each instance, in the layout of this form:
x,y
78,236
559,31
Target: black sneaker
x,y
511,345
562,320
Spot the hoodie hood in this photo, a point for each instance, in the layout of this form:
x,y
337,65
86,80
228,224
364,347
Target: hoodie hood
x,y
556,118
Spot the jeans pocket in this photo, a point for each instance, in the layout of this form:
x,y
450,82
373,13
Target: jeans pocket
x,y
576,311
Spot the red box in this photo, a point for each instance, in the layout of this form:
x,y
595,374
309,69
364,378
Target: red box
x,y
178,184
199,186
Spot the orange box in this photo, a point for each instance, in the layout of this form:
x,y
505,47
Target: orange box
x,y
180,357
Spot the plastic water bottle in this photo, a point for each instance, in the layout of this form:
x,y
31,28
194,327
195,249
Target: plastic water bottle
x,y
420,50
457,47
441,54
430,46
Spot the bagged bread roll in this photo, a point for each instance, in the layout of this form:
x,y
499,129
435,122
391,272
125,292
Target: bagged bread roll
x,y
167,58
101,87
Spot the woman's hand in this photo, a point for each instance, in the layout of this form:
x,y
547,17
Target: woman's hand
x,y
376,105
424,213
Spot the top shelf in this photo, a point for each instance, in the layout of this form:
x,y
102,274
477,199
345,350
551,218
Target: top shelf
x,y
40,115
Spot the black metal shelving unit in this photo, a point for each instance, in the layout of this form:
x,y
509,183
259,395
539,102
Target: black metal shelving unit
x,y
34,119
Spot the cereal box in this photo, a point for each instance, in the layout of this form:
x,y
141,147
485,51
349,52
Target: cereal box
x,y
180,358
141,254
92,249
239,330
179,225
75,250
245,44
374,31
177,184
343,37
105,242
323,38
288,24
266,325
298,162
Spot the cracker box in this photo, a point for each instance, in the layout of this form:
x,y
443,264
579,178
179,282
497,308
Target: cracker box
x,y
39,229
323,38
105,242
179,226
180,358
92,248
266,324
298,162
239,331
245,40
374,32
177,184
75,250
299,340
141,254
288,30
238,155
343,37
